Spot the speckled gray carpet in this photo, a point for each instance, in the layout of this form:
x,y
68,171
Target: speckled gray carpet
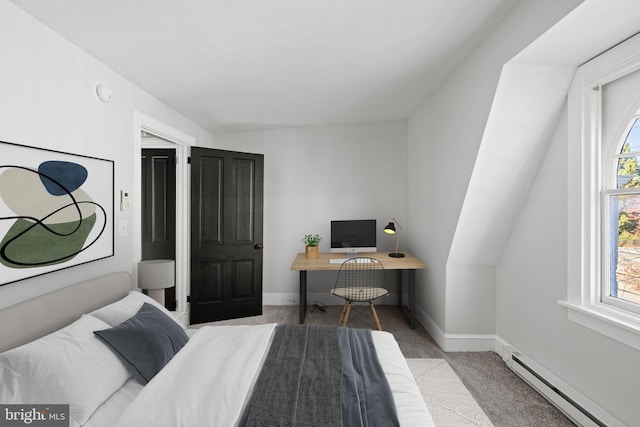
x,y
505,399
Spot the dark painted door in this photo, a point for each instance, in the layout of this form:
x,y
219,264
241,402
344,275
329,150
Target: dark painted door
x,y
226,234
159,209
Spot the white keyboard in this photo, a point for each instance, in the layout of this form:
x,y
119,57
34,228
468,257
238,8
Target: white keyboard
x,y
341,260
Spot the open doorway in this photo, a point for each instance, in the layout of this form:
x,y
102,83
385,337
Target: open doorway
x,y
150,133
158,199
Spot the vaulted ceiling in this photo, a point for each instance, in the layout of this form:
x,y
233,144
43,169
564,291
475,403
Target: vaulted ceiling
x,y
248,64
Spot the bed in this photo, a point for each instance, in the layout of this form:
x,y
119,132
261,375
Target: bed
x,y
87,345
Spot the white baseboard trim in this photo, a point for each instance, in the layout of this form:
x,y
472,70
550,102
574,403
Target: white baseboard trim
x,y
326,298
284,298
447,342
469,342
455,342
568,400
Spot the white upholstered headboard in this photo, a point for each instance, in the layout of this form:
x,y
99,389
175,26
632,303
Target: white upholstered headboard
x,y
47,313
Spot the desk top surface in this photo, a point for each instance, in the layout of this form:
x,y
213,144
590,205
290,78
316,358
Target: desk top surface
x,y
409,262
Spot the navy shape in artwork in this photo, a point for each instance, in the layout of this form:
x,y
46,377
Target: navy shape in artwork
x,y
60,178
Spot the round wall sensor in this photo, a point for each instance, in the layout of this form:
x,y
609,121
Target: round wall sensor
x,y
104,93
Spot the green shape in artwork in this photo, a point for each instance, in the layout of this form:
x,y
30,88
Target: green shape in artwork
x,y
39,247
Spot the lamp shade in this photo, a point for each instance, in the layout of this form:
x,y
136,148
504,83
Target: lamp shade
x,y
156,274
390,228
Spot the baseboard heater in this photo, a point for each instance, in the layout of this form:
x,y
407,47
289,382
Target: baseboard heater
x,y
571,406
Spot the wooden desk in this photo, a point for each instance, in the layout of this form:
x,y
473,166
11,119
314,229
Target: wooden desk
x,y
409,264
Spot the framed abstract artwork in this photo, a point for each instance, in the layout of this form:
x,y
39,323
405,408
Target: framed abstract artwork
x,y
56,211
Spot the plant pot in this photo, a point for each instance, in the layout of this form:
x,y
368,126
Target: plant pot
x,y
311,251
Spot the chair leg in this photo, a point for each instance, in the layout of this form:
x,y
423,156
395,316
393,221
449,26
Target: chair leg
x,y
375,317
342,313
346,314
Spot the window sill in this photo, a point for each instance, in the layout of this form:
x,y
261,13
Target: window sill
x,y
606,321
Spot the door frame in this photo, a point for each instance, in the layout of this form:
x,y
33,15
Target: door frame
x,y
181,142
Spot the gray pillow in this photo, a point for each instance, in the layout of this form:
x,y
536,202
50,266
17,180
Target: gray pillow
x,y
146,342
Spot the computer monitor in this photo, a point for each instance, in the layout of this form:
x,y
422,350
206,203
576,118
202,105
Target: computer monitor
x,y
353,236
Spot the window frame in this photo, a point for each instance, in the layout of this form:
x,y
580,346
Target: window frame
x,y
610,164
588,170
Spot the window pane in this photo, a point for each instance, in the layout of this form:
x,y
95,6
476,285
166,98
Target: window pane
x,y
629,172
629,159
624,280
633,138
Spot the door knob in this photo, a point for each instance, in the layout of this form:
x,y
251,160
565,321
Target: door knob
x,y
258,246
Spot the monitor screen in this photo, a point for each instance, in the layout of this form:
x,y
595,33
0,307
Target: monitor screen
x,y
353,236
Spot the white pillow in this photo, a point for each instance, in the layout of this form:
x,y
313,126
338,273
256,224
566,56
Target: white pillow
x,y
124,309
70,366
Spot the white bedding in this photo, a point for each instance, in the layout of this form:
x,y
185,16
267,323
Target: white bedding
x,y
221,364
206,383
209,379
107,413
412,411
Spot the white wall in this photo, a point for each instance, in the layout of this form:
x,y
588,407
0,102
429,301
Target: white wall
x,y
531,279
314,175
531,275
47,100
444,139
531,262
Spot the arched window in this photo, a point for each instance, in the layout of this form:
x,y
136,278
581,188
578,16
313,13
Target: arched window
x,y
603,197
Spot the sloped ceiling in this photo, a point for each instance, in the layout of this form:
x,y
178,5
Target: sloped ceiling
x,y
531,96
248,64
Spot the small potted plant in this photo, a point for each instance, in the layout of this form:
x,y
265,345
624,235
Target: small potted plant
x,y
311,242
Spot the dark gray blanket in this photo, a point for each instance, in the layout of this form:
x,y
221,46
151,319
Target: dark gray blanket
x,y
366,395
321,376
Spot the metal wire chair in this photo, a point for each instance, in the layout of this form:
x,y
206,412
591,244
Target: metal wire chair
x,y
359,280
